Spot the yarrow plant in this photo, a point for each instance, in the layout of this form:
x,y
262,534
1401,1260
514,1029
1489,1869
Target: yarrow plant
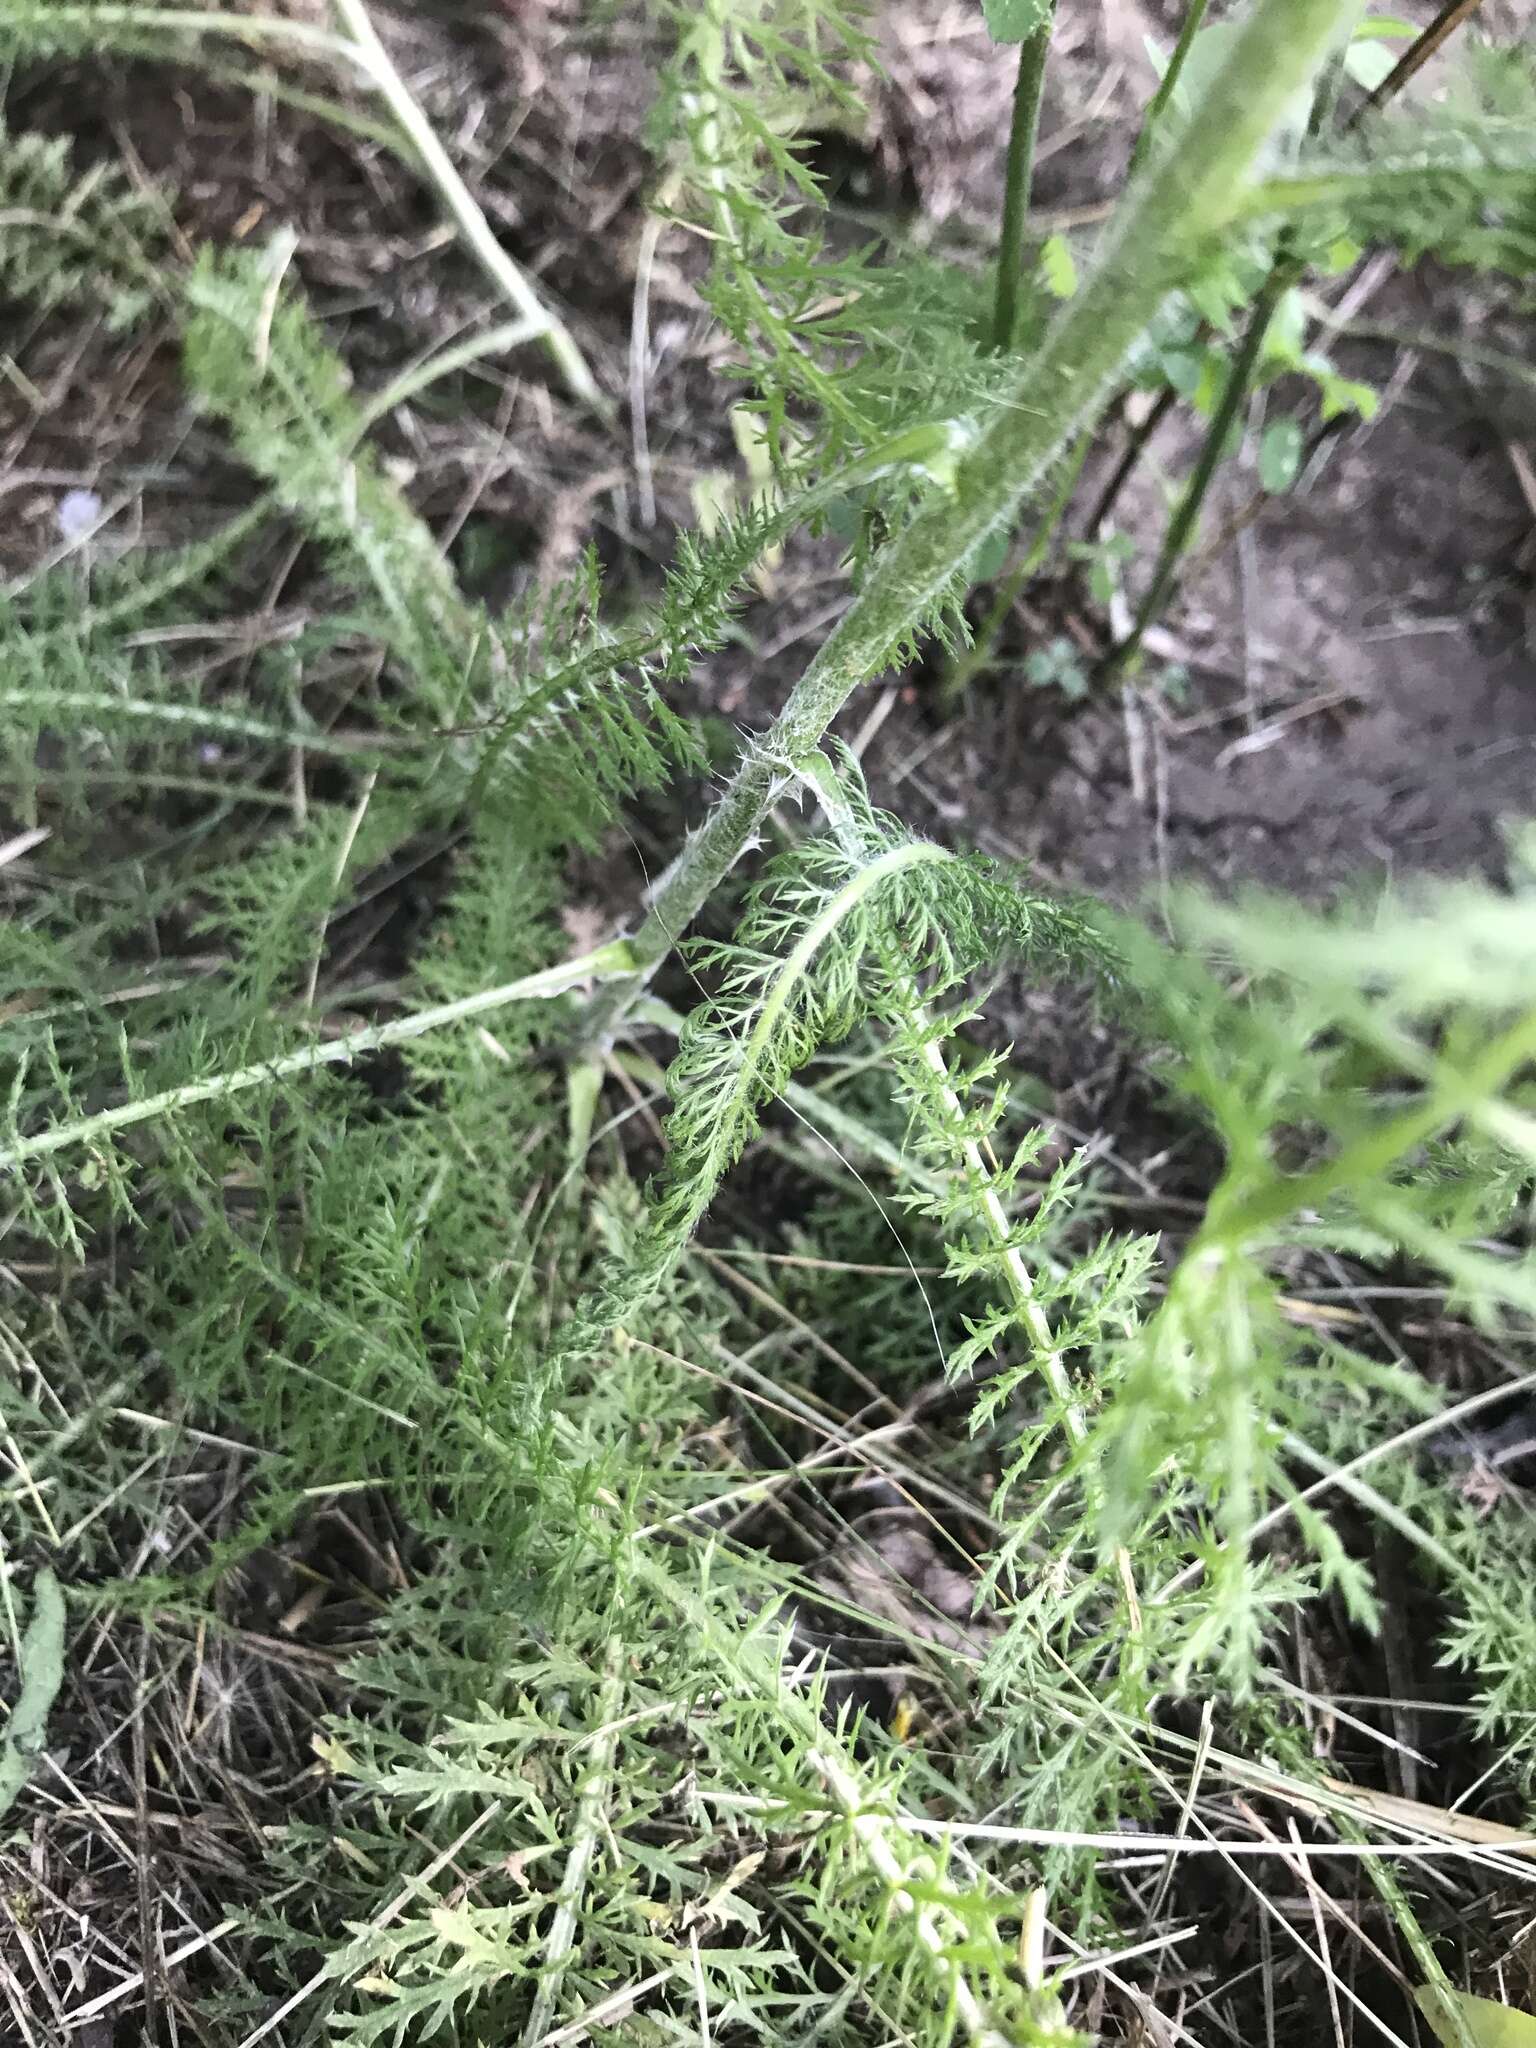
x,y
388,1235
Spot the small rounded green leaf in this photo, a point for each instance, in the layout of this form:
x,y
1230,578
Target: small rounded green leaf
x,y
1457,2017
1369,64
1280,454
991,554
1057,267
1286,334
1011,21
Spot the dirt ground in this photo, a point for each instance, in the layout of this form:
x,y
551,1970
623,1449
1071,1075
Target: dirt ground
x,y
1361,696
1353,688
1355,673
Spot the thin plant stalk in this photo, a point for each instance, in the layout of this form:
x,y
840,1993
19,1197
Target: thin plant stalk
x,y
458,356
991,1213
468,217
974,659
564,1930
255,29
1023,134
1021,1289
613,958
1418,54
1135,447
1329,189
1123,656
1168,84
1167,222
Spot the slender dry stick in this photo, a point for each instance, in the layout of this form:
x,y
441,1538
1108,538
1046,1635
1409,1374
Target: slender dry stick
x,y
1417,55
1166,224
468,217
1135,447
1023,132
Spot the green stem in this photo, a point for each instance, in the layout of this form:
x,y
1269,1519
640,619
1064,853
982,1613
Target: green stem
x,y
613,958
988,1208
200,717
1022,135
256,29
590,1833
971,661
420,375
1167,85
1157,240
1123,657
41,1673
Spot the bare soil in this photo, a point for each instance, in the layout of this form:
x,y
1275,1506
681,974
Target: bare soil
x,y
1356,688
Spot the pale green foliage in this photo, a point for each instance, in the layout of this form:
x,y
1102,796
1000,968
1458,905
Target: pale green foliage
x,y
1456,181
811,960
1336,1088
254,355
837,349
69,237
1011,21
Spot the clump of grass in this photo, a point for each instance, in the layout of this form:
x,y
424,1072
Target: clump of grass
x,y
599,1770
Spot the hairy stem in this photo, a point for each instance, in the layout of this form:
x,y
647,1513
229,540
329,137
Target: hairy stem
x,y
1021,1287
1166,224
614,958
1022,135
41,1673
257,29
564,1929
941,1935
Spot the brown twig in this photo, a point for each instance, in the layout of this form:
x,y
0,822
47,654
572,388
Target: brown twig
x,y
1416,56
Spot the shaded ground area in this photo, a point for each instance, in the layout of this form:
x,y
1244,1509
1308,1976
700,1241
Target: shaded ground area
x,y
1353,688
1353,691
